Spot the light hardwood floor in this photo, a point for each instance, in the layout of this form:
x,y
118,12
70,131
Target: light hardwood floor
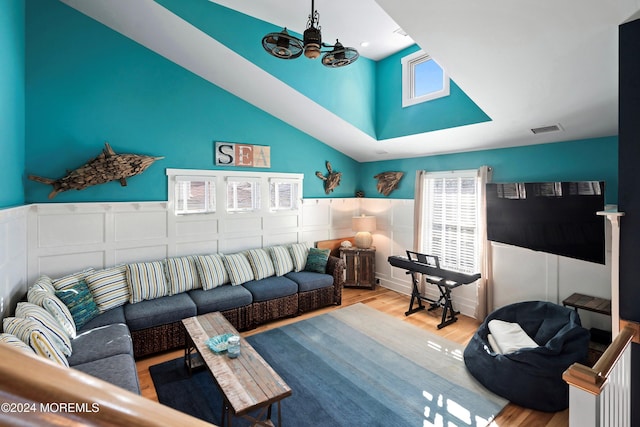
x,y
394,304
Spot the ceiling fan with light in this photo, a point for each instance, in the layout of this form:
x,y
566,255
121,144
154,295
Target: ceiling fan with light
x,y
285,46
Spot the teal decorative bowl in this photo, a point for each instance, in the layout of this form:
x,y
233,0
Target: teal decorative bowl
x,y
218,344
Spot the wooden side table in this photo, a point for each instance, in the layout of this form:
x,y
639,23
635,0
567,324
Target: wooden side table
x,y
600,339
360,271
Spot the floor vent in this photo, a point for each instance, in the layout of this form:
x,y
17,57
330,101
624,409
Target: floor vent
x,y
546,129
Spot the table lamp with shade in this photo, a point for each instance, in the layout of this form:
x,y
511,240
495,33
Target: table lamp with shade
x,y
363,225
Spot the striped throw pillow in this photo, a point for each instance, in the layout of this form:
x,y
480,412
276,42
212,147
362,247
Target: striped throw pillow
x,y
146,281
261,263
71,279
15,342
238,268
299,252
109,287
281,258
38,337
212,271
78,299
182,274
45,283
36,313
50,302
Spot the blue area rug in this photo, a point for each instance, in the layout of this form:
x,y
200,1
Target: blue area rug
x,y
351,367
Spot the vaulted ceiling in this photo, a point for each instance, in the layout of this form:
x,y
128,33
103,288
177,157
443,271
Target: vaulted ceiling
x,y
526,64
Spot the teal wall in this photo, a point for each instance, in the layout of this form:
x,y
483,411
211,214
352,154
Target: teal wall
x,y
12,101
87,84
591,159
392,120
349,92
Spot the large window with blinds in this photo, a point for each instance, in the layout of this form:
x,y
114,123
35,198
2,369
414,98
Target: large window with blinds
x,y
451,219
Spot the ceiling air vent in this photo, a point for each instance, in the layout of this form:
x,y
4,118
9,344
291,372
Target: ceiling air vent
x,y
401,32
546,129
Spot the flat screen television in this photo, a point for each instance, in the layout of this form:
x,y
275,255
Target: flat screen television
x,y
553,217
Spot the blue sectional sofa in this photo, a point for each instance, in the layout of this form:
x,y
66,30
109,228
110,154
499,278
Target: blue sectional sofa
x,y
112,316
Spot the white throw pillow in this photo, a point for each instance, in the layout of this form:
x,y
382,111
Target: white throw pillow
x,y
510,337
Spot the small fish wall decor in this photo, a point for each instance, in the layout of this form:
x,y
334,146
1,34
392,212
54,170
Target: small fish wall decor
x,y
108,166
388,181
332,180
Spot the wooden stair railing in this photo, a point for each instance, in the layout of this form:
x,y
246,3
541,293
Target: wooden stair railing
x,y
37,392
593,379
590,404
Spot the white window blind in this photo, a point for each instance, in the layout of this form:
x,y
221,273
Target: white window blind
x,y
451,219
195,194
284,194
243,194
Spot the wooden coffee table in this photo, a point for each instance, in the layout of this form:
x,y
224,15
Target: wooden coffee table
x,y
247,382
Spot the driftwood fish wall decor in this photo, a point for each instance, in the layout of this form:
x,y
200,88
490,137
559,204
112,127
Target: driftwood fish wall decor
x,y
108,166
332,180
388,181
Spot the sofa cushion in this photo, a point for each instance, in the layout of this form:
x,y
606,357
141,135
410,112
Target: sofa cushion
x,y
119,370
299,252
42,316
317,260
212,271
261,263
309,281
159,311
146,281
281,258
238,268
115,315
40,296
78,299
39,338
271,287
221,298
99,343
15,342
182,274
109,287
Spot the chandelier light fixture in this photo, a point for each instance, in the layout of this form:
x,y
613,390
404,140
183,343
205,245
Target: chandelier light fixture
x,y
285,46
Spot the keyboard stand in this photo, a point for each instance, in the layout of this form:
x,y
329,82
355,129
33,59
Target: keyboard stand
x,y
445,287
445,280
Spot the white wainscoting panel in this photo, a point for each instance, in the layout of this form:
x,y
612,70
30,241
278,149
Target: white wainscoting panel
x,y
316,213
524,275
280,239
77,229
13,257
140,225
281,222
138,254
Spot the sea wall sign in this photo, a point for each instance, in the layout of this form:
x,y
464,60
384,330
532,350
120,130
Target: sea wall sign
x,y
246,155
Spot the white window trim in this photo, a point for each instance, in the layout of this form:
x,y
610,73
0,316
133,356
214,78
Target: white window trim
x,y
298,196
211,179
408,64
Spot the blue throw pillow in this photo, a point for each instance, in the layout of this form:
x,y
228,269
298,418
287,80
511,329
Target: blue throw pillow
x,y
77,297
317,260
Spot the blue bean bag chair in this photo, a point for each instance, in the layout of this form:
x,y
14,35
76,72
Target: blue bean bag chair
x,y
531,377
